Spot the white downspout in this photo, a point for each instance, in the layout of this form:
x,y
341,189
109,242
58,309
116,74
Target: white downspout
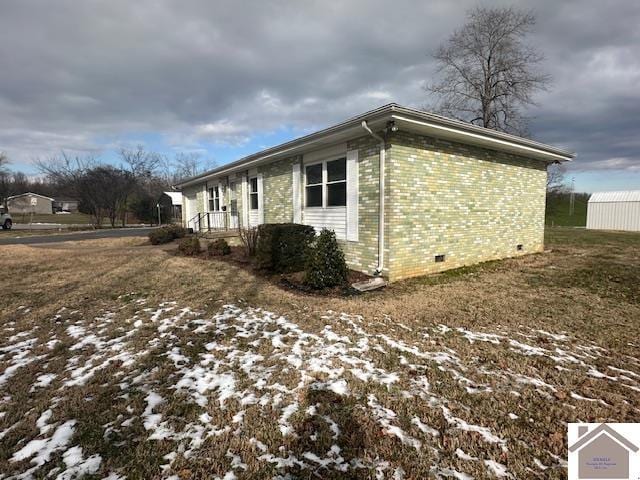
x,y
381,205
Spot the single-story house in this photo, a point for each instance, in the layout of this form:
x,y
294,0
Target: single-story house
x,y
406,192
171,207
65,205
614,211
29,203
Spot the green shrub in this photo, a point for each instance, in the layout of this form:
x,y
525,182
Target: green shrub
x,y
166,234
325,266
282,247
189,246
218,248
160,235
177,231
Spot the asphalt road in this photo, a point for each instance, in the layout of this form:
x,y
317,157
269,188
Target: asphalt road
x,y
65,237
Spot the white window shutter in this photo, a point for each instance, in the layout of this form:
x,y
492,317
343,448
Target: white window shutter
x,y
297,202
352,195
260,201
245,203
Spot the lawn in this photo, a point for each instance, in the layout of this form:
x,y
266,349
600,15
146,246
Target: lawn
x,y
558,210
121,360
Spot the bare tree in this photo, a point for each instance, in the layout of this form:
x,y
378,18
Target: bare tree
x,y
70,174
4,179
140,162
4,161
556,181
145,184
487,71
188,165
65,169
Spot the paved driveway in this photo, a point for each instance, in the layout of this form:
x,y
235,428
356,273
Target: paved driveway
x,y
65,237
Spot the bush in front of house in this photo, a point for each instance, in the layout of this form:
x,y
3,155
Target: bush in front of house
x,y
249,239
160,235
189,246
166,234
283,247
218,248
325,266
176,230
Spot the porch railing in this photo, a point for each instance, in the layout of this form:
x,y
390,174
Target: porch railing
x,y
214,221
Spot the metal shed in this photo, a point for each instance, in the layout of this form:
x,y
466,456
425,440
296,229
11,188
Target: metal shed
x,y
171,206
614,211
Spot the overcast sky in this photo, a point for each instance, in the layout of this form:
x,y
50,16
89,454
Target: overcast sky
x,y
228,78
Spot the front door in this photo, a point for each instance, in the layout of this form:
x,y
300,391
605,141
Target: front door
x,y
191,212
233,206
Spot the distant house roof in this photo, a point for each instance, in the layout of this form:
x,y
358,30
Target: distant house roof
x,y
596,432
176,197
29,194
624,196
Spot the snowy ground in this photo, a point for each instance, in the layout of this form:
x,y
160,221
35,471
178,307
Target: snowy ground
x,y
144,390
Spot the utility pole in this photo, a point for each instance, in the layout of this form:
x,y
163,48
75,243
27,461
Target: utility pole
x,y
572,197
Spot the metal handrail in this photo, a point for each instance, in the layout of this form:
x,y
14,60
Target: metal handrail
x,y
215,221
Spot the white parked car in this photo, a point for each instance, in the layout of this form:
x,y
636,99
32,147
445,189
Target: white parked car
x,y
5,219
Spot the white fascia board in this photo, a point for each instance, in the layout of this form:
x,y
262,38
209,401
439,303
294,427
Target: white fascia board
x,y
347,134
484,138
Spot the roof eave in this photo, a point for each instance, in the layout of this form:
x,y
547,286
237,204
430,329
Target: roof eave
x,y
436,123
331,134
500,140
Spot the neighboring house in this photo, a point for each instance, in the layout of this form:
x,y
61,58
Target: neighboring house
x,y
407,192
614,211
29,203
602,453
171,207
65,205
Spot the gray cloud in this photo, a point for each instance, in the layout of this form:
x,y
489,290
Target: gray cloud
x,y
77,73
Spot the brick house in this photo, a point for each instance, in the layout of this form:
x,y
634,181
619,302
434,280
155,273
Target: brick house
x,y
407,192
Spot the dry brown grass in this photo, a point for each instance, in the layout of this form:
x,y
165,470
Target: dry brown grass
x,y
586,289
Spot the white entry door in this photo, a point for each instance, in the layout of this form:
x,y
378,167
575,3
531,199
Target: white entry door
x,y
233,206
191,210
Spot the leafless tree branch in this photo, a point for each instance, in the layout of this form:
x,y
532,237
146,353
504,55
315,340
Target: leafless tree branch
x,y
487,72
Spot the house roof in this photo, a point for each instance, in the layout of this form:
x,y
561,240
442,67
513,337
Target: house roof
x,y
406,119
596,432
31,194
176,197
609,197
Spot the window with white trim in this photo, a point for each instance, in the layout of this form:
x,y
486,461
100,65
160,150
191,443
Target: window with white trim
x,y
214,199
253,193
326,183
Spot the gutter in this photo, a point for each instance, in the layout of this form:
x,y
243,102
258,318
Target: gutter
x,y
494,137
383,149
387,112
